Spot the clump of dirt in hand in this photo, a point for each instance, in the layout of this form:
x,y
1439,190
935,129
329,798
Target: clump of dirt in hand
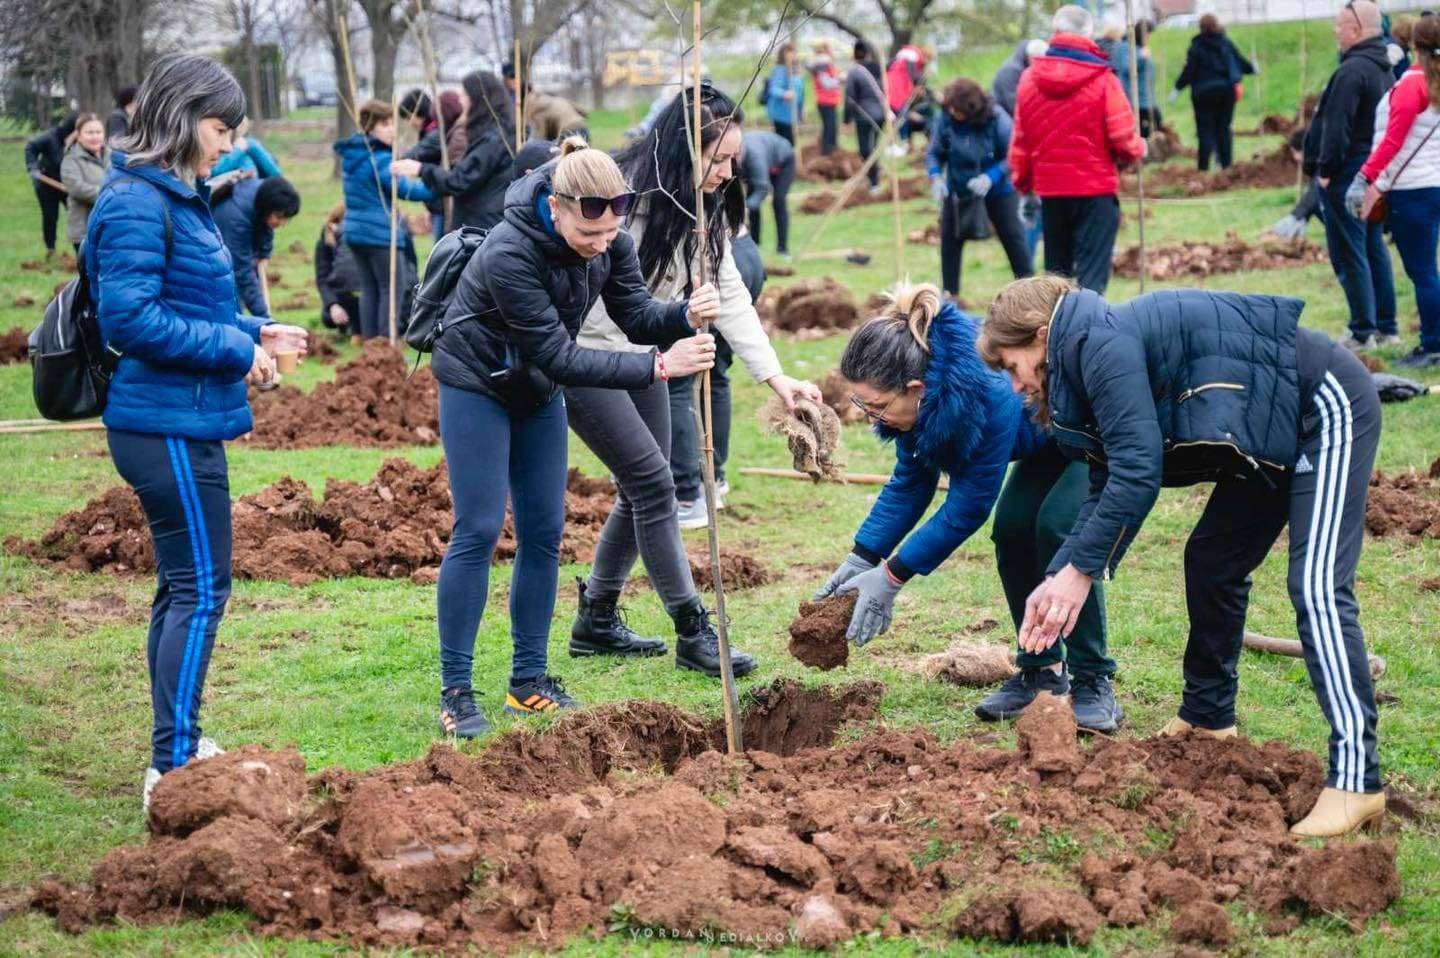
x,y
970,664
1404,504
812,432
836,390
817,634
395,526
839,166
374,400
738,570
14,346
1233,255
813,306
545,832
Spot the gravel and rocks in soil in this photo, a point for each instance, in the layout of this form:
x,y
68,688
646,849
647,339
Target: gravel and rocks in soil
x,y
810,308
624,818
373,401
812,432
1404,504
395,526
1196,259
817,634
14,346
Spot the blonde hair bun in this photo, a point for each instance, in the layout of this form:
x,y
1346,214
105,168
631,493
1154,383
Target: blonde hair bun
x,y
573,143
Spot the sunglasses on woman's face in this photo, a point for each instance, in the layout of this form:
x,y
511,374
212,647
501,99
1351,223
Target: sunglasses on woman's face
x,y
594,207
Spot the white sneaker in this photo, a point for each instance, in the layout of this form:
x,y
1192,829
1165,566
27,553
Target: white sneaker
x,y
722,489
206,748
692,515
1391,339
1358,345
152,776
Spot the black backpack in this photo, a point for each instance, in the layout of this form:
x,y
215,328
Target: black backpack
x,y
70,361
432,294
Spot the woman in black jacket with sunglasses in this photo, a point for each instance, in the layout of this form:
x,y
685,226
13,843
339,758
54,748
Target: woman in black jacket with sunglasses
x,y
506,347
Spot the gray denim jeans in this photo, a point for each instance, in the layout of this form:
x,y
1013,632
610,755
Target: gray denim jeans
x,y
630,431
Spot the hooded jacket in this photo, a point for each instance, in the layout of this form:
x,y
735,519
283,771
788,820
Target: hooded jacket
x,y
83,173
970,425
525,293
964,150
184,350
365,178
1007,78
1339,137
1172,388
1213,64
429,149
247,241
1073,123
479,181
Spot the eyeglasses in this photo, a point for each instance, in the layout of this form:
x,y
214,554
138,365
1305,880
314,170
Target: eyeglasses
x,y
594,207
871,414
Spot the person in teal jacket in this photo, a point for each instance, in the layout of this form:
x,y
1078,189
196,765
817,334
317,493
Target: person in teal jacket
x,y
248,157
365,174
785,93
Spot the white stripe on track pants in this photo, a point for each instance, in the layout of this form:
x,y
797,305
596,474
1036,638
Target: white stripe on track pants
x,y
1324,505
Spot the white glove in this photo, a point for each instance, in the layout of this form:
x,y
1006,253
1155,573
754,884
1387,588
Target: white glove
x,y
1174,95
938,190
979,185
1290,227
1355,195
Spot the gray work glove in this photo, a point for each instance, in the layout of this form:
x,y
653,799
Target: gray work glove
x,y
979,185
1291,227
849,569
1355,195
938,190
876,602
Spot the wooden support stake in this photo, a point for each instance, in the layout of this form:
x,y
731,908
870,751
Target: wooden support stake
x,y
1293,649
394,208
847,479
519,94
891,132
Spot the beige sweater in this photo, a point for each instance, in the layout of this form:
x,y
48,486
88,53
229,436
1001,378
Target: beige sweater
x,y
737,322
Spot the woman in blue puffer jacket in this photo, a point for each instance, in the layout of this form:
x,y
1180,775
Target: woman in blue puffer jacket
x,y
785,92
365,169
160,273
968,162
918,379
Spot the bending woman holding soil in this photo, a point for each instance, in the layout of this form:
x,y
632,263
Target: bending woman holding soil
x,y
507,348
631,430
1187,386
160,274
918,379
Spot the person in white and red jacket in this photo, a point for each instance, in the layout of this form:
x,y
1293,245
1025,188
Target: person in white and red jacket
x,y
1073,126
1404,164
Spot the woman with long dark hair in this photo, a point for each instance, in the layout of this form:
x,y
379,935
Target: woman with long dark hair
x,y
506,348
1187,386
919,381
631,430
166,292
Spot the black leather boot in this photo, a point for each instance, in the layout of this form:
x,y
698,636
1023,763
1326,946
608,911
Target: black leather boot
x,y
600,629
697,646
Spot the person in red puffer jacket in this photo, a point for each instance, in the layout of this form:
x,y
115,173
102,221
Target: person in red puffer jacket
x,y
1073,126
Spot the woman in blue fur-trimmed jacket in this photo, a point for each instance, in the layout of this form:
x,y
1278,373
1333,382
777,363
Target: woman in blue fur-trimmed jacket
x,y
165,290
917,377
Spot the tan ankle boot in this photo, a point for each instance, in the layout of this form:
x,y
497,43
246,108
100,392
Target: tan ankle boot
x,y
1339,813
1178,726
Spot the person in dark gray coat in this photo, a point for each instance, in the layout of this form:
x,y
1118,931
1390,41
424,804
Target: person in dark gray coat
x,y
865,105
767,168
1007,78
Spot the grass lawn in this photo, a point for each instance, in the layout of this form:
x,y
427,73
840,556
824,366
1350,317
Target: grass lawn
x,y
345,670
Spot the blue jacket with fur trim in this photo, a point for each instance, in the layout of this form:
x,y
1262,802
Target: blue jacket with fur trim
x,y
971,425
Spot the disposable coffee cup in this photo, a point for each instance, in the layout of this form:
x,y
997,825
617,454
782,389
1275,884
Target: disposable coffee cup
x,y
286,360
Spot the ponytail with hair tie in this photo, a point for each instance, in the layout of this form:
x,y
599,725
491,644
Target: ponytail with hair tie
x,y
893,348
914,307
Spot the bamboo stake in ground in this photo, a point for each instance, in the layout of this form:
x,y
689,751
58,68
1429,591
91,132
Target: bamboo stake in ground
x,y
519,94
432,74
705,415
394,208
1140,166
890,134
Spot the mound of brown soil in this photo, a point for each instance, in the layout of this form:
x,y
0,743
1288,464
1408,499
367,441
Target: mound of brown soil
x,y
810,306
817,635
836,391
820,201
839,166
534,840
14,345
1274,169
929,236
374,400
1165,144
1271,124
321,348
1404,504
970,664
738,570
395,526
1194,259
813,434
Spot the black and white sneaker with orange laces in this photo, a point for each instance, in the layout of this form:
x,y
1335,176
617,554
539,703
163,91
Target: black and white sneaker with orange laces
x,y
459,715
538,696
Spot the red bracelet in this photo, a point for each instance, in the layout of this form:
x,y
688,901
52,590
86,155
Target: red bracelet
x,y
664,372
